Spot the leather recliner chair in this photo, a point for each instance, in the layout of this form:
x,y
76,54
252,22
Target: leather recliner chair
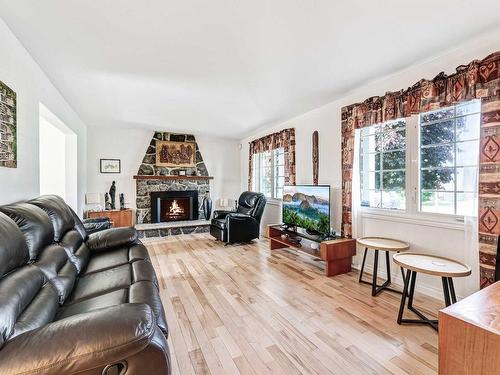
x,y
242,225
74,303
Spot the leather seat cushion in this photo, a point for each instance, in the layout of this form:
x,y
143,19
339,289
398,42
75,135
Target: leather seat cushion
x,y
219,223
119,277
140,292
116,297
102,282
103,260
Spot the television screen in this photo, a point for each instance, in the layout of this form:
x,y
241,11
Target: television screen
x,y
308,207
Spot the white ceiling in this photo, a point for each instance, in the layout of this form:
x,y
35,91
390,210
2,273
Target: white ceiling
x,y
225,67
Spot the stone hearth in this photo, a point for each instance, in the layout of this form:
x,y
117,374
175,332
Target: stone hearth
x,y
172,228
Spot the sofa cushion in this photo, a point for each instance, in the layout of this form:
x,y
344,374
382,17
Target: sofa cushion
x,y
58,269
26,302
59,213
13,248
116,257
34,223
98,283
116,297
76,249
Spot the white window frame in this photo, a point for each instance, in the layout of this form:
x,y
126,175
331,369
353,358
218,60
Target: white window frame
x,y
412,214
257,170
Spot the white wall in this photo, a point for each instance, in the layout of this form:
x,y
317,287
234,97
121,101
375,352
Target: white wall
x,y
21,73
221,157
443,240
52,161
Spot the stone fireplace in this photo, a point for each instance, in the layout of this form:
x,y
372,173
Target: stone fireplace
x,y
157,188
176,205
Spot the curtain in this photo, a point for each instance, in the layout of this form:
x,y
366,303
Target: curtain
x,y
479,79
283,139
489,188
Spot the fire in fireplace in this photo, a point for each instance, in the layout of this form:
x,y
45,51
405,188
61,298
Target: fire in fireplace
x,y
174,206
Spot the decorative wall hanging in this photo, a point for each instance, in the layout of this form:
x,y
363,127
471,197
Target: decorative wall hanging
x,y
110,166
175,154
479,79
8,127
315,156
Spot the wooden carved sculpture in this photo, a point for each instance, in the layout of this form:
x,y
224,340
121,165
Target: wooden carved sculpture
x,y
315,156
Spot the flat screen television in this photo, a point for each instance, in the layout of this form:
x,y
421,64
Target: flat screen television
x,y
308,207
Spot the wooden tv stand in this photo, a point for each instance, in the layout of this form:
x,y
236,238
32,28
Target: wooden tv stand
x,y
336,253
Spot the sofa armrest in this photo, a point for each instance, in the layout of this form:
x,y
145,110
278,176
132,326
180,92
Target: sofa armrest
x,y
81,342
111,238
236,217
96,220
221,214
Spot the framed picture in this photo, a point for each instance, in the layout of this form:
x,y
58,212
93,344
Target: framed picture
x,y
110,165
175,154
8,127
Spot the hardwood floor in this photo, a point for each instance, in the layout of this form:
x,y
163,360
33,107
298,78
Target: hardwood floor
x,y
242,310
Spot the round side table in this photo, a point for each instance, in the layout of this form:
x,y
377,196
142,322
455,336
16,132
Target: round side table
x,y
431,265
380,244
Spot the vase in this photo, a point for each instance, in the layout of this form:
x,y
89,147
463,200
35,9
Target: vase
x,y
207,207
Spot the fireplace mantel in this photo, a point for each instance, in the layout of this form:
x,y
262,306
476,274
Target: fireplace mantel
x,y
172,177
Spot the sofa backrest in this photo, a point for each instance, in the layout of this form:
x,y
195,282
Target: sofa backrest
x,y
27,301
49,257
69,231
59,213
251,203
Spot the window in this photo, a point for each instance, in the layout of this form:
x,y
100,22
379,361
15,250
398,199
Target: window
x,y
383,165
426,163
269,173
449,152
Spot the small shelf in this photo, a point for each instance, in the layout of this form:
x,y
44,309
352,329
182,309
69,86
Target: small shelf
x,y
172,177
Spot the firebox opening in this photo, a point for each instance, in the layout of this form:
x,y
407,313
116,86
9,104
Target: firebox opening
x,y
175,209
174,206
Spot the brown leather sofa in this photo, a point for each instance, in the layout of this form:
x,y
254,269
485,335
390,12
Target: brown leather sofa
x,y
73,303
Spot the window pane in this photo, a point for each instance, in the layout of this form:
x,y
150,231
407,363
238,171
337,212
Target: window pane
x,y
467,153
369,130
438,202
437,156
474,106
394,160
370,162
439,115
280,171
371,198
393,199
441,132
368,144
370,180
466,204
391,140
280,181
467,127
467,179
391,125
394,180
438,179
280,156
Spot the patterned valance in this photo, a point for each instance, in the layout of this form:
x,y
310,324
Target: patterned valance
x,y
479,79
282,139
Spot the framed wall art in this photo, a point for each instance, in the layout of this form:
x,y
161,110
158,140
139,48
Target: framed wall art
x,y
8,127
175,154
110,165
